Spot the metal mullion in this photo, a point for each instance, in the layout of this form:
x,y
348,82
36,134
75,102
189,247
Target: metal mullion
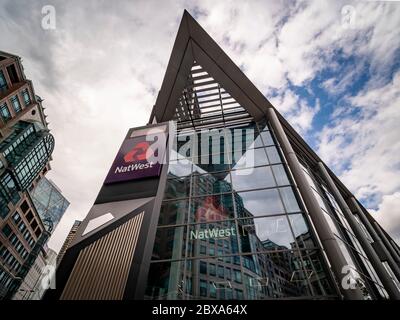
x,y
186,103
197,101
187,228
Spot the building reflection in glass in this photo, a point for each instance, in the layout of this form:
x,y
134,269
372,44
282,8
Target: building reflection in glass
x,y
223,235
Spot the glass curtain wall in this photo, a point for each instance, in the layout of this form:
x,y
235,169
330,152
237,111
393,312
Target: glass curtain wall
x,y
231,225
348,243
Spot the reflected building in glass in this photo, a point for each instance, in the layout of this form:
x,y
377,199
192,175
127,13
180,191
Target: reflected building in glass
x,y
234,230
243,208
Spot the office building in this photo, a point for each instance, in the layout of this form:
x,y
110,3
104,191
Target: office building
x,y
26,146
34,285
242,208
68,240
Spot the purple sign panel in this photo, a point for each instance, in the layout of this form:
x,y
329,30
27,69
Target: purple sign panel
x,y
139,157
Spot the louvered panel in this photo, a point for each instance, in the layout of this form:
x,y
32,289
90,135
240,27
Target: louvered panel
x,y
102,268
204,102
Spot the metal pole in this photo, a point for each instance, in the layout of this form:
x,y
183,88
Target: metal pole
x,y
325,234
366,245
395,268
387,243
396,248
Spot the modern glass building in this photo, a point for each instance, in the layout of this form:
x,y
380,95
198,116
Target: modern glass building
x,y
242,208
26,146
49,202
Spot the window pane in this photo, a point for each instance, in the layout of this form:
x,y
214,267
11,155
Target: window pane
x,y
267,139
164,279
289,199
257,203
273,155
252,178
211,183
265,234
211,208
200,235
301,231
280,175
169,243
256,140
173,212
4,112
179,168
210,167
3,82
203,267
177,188
251,158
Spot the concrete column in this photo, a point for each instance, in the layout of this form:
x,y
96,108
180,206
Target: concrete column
x,y
325,234
395,268
388,244
366,245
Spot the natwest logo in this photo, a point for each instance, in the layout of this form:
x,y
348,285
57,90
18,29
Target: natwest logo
x,y
138,153
138,157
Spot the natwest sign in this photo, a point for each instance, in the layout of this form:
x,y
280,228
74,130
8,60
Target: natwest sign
x,y
140,155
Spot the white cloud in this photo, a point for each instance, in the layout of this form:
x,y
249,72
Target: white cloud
x,y
302,118
285,102
388,215
364,149
296,110
348,75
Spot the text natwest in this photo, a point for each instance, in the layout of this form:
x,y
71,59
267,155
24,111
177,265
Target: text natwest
x,y
212,233
133,167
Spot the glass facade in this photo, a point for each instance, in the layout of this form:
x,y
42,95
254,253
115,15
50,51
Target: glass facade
x,y
8,192
26,152
231,228
348,242
49,203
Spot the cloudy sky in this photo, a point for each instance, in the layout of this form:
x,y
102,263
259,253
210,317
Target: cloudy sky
x,y
331,67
